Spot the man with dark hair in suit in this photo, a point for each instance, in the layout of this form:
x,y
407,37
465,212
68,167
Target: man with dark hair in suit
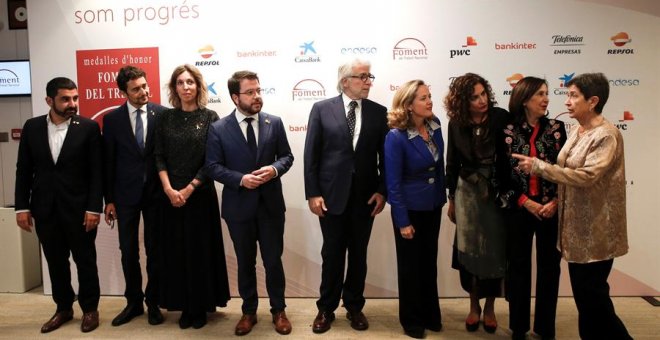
x,y
59,184
248,152
132,188
345,187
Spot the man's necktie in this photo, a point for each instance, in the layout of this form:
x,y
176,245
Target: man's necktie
x,y
139,129
350,117
251,139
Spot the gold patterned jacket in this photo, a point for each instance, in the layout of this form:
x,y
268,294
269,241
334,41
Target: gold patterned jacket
x,y
590,171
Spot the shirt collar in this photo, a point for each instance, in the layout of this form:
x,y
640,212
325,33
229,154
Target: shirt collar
x,y
65,123
431,125
348,100
131,108
240,116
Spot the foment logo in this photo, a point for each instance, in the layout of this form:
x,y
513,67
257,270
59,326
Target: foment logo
x,y
308,89
409,49
8,78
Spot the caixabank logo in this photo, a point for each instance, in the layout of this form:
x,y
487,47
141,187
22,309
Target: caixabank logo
x,y
465,49
409,49
308,89
512,80
307,53
567,44
214,95
621,40
563,80
207,53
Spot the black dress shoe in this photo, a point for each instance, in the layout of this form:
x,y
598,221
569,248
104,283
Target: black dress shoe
x,y
199,320
417,333
518,335
185,321
90,321
434,327
358,320
322,322
155,316
56,321
126,315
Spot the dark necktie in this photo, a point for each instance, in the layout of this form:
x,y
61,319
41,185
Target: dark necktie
x,y
251,139
350,117
139,129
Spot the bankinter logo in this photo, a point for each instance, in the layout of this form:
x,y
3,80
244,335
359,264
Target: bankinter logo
x,y
409,49
620,39
308,89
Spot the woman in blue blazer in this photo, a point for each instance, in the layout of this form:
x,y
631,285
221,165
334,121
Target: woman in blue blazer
x,y
415,179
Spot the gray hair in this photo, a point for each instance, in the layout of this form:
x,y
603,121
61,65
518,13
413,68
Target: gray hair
x,y
346,69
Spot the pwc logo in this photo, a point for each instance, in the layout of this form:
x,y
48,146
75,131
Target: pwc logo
x,y
206,52
308,89
619,40
622,125
409,49
465,51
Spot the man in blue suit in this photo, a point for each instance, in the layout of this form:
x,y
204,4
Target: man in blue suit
x,y
248,152
345,187
132,188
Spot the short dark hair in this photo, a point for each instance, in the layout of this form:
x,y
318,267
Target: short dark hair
x,y
128,73
524,90
234,83
55,84
593,84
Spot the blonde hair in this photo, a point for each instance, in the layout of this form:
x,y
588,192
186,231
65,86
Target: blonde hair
x,y
399,116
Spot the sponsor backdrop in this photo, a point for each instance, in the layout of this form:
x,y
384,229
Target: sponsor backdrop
x,y
296,47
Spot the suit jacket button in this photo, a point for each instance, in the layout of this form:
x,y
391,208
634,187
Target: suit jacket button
x,y
431,180
432,168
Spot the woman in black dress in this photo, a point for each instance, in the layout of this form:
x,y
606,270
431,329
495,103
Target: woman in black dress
x,y
194,271
472,179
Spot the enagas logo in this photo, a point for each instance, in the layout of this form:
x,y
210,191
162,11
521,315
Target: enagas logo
x,y
619,40
512,80
308,89
206,52
409,49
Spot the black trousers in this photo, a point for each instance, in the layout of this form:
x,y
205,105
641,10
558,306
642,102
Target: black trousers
x,y
417,272
596,316
347,232
268,231
523,226
128,225
63,234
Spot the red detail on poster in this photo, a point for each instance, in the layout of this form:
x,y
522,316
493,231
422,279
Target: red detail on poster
x,y
97,73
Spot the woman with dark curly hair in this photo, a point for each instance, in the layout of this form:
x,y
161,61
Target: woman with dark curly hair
x,y
475,125
534,210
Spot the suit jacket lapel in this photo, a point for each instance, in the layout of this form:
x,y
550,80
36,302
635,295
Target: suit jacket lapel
x,y
264,132
151,119
339,114
42,135
235,132
71,133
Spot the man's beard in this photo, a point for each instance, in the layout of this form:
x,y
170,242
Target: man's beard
x,y
249,108
67,113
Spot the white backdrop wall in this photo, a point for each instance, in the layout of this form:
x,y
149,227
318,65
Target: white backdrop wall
x,y
434,40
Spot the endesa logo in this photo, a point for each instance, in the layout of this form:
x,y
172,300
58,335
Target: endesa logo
x,y
206,52
562,90
624,82
619,40
308,89
463,51
512,80
622,125
409,49
359,50
307,53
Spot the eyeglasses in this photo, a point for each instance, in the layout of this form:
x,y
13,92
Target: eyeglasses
x,y
251,93
364,77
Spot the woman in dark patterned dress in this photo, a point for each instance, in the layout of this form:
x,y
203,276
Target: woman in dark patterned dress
x,y
475,125
534,210
193,264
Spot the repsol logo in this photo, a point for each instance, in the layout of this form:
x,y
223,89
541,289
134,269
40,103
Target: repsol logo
x,y
621,51
359,50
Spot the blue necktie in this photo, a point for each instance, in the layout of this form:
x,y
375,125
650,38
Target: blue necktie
x,y
139,129
251,139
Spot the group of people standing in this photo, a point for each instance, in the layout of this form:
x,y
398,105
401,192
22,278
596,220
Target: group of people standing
x,y
508,176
